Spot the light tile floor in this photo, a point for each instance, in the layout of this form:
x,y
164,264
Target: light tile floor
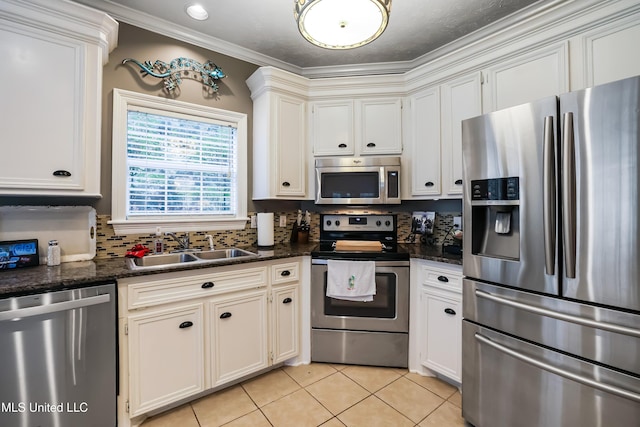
x,y
325,395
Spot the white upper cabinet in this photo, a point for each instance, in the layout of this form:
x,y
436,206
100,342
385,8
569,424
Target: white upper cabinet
x,y
461,100
527,77
421,160
332,128
50,109
610,51
380,126
433,159
356,127
280,145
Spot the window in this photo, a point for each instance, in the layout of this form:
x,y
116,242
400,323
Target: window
x,y
176,166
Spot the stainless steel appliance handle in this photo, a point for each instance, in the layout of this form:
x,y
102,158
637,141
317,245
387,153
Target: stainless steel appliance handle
x,y
555,370
611,327
569,195
549,196
53,308
323,261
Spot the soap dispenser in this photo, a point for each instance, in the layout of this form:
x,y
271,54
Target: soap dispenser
x,y
158,244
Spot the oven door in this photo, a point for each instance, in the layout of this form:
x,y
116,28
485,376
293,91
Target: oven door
x,y
388,312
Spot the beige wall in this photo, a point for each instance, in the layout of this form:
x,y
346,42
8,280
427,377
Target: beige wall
x,y
143,45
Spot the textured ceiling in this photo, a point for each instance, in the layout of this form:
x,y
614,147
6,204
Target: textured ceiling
x,y
267,27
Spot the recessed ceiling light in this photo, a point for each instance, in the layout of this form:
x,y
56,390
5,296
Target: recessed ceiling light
x,y
196,11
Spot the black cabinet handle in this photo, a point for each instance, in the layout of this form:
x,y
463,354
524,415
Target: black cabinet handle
x,y
186,324
207,285
429,184
371,145
286,184
286,300
450,311
285,273
458,182
225,315
443,279
62,173
342,145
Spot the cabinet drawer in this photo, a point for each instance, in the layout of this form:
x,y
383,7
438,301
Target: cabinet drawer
x,y
442,278
285,273
171,287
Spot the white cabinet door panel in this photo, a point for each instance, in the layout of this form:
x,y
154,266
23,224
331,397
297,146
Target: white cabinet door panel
x,y
535,75
162,342
238,336
611,52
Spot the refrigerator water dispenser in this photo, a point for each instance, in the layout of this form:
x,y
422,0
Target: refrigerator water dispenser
x,y
496,218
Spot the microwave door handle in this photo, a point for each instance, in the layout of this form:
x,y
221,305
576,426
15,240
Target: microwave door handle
x,y
569,195
549,196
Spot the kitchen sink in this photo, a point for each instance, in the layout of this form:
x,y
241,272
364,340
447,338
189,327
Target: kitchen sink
x,y
223,254
197,257
161,260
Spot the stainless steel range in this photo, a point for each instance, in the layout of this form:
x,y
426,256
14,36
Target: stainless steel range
x,y
374,332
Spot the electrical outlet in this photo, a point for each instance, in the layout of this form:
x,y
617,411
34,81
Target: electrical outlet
x,y
283,220
254,220
457,222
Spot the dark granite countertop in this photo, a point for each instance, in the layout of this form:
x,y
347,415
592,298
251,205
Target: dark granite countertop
x,y
82,273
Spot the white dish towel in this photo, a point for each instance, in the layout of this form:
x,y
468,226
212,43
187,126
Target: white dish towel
x,y
351,280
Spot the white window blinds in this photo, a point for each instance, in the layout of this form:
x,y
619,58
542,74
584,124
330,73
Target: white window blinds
x,y
180,166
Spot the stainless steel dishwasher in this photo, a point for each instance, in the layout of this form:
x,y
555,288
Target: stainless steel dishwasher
x,y
58,358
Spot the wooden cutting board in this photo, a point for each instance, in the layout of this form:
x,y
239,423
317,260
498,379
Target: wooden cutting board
x,y
358,245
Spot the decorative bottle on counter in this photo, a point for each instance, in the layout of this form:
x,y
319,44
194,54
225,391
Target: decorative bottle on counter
x,y
53,253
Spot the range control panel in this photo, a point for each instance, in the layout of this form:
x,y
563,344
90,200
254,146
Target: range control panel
x,y
496,189
360,223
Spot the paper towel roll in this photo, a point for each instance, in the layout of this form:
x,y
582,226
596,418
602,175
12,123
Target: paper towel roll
x,y
265,229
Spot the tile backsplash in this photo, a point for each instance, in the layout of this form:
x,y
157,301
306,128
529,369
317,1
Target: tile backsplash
x,y
110,245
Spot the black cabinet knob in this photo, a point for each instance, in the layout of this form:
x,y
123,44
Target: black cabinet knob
x,y
207,285
342,145
286,300
285,273
429,184
443,279
286,184
458,182
62,173
186,324
450,311
225,315
371,145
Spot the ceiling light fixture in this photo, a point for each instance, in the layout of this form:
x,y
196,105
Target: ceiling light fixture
x,y
341,24
197,12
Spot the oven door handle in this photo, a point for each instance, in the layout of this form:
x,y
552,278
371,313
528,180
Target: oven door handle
x,y
561,372
323,261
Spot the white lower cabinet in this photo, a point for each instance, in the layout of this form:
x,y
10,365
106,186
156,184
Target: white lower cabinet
x,y
286,325
238,336
166,356
435,329
441,314
183,333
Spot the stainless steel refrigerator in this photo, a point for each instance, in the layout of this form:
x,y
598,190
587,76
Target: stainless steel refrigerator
x,y
551,296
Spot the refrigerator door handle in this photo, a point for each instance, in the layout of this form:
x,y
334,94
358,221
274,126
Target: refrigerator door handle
x,y
611,327
549,197
558,371
569,195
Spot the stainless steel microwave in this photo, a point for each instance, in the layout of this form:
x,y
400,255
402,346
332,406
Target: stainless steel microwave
x,y
358,180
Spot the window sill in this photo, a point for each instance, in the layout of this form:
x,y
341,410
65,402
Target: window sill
x,y
123,227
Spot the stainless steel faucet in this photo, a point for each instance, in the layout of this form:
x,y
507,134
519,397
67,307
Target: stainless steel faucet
x,y
184,242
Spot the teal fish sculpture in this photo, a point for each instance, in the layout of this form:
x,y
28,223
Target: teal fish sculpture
x,y
173,72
